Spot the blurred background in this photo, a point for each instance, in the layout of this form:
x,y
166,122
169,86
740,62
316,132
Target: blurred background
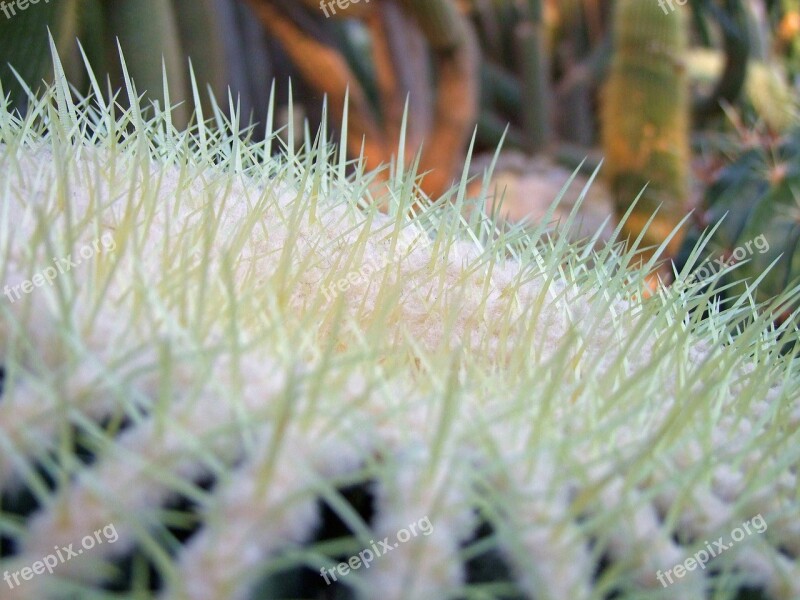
x,y
694,99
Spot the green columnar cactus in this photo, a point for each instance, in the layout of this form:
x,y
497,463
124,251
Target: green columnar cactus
x,y
150,44
226,376
440,21
535,76
645,118
23,37
153,33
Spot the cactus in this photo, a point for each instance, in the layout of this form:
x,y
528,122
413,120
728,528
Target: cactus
x,y
148,42
23,43
257,378
754,204
444,123
645,118
767,92
457,59
440,21
535,76
733,20
150,31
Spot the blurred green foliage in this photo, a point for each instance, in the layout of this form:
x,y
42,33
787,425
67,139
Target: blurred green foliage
x,y
152,34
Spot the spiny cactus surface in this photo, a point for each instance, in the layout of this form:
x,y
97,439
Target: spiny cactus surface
x,y
228,375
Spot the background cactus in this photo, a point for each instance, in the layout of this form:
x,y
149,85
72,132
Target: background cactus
x,y
442,108
247,403
214,35
767,94
755,197
645,119
535,66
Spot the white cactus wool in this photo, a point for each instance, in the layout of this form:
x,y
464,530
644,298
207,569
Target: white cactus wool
x,y
258,375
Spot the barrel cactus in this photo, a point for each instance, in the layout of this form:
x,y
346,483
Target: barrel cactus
x,y
227,375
